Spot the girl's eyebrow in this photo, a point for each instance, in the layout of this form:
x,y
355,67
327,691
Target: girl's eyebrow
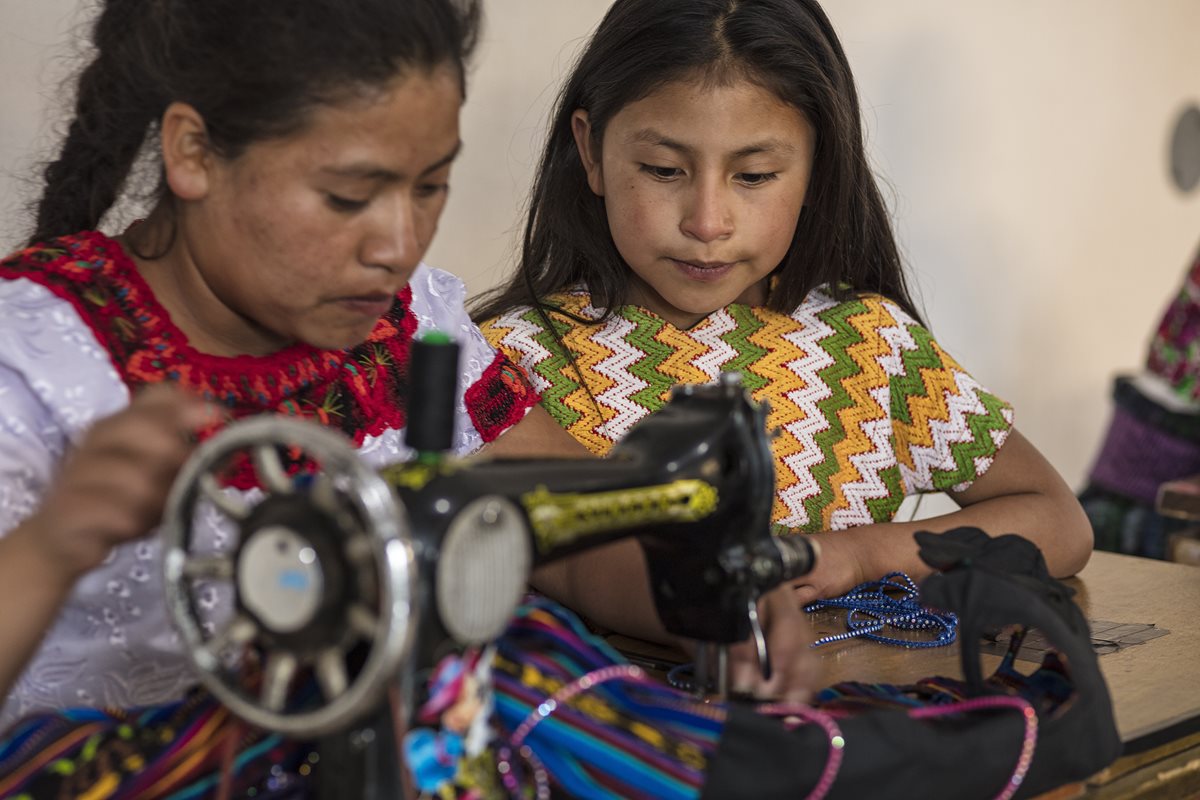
x,y
654,138
366,170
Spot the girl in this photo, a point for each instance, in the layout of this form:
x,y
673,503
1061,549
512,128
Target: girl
x,y
703,204
304,152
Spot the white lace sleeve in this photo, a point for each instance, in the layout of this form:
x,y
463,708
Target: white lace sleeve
x,y
55,380
30,446
111,644
439,304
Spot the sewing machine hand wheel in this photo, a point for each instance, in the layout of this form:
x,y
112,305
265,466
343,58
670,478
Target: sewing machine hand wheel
x,y
322,574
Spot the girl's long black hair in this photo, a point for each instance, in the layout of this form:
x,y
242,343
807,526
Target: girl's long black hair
x,y
844,238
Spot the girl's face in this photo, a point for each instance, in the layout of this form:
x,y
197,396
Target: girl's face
x,y
703,187
309,237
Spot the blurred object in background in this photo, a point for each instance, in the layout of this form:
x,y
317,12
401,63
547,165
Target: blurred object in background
x,y
1185,150
1143,492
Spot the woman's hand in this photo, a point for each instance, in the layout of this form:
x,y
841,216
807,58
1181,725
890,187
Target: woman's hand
x,y
114,486
111,489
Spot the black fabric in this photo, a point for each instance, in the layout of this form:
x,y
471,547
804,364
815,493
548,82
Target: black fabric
x,y
887,755
989,582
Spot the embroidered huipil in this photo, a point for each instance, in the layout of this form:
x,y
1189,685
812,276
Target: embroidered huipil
x,y
867,406
1174,353
80,329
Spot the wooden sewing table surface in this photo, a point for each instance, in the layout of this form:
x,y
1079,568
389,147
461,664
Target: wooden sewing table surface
x,y
1155,686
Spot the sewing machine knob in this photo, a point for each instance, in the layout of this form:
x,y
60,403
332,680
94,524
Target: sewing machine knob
x,y
322,574
798,555
783,558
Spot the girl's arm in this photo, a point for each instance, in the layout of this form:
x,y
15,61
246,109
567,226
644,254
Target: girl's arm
x,y
537,435
610,585
1020,493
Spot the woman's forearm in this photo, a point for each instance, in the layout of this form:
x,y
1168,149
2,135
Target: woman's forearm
x,y
35,590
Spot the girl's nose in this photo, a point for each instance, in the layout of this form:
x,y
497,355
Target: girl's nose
x,y
709,216
394,243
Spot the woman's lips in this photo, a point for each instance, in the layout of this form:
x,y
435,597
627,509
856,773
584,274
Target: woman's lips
x,y
375,305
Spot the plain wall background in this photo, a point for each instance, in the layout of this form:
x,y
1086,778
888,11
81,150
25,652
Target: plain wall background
x,y
1023,146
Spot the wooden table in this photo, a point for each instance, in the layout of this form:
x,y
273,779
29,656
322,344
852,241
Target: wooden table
x,y
1155,686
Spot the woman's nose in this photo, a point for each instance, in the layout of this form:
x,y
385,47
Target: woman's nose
x,y
395,241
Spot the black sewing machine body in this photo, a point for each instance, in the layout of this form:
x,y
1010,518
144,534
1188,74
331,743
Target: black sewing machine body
x,y
357,577
693,482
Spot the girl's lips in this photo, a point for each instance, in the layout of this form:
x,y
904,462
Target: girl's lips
x,y
703,271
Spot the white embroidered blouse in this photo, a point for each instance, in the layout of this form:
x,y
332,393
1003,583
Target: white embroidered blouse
x,y
112,644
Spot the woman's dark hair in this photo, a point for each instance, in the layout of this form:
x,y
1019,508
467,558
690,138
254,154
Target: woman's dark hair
x,y
252,68
844,237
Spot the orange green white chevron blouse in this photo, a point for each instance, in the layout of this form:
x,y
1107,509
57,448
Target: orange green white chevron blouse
x,y
869,408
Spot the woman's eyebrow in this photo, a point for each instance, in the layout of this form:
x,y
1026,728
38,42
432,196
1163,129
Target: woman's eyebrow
x,y
369,170
445,160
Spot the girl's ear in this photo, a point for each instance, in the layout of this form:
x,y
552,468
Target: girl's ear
x,y
186,154
589,153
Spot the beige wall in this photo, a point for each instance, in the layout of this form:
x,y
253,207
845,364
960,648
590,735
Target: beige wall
x,y
1024,143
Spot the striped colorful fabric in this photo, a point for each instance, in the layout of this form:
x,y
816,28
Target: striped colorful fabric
x,y
869,408
633,739
570,717
190,749
1047,689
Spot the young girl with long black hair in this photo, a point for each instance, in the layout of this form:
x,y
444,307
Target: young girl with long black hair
x,y
704,203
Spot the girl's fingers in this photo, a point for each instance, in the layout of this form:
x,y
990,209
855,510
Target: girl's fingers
x,y
794,668
805,593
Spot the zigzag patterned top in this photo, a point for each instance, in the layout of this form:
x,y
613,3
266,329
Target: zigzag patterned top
x,y
868,406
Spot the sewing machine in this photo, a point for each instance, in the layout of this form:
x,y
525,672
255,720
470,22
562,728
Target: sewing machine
x,y
348,582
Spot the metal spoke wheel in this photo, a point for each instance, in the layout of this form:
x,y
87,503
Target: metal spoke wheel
x,y
323,577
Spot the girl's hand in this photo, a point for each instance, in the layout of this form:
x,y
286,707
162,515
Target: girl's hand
x,y
114,486
795,669
839,569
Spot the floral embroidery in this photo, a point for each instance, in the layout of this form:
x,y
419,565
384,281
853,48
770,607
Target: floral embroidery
x,y
360,391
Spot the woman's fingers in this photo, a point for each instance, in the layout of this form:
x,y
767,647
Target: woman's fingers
x,y
113,487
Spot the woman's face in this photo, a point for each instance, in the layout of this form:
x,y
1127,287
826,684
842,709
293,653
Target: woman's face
x,y
310,236
703,186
